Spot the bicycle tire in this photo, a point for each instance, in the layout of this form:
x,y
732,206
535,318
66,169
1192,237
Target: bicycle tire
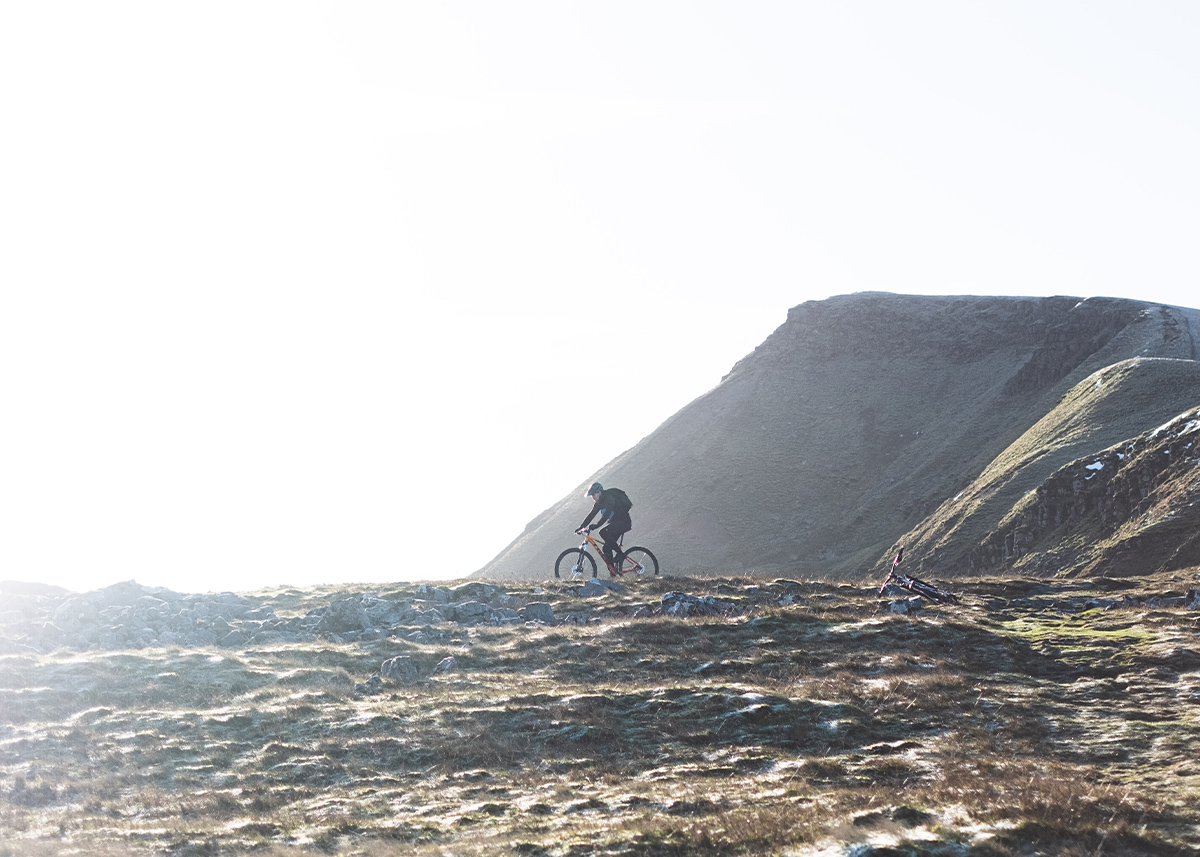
x,y
639,556
574,558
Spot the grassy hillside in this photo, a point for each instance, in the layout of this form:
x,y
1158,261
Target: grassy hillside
x,y
783,717
850,425
1109,407
1129,509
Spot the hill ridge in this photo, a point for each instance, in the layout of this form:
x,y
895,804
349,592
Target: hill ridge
x,y
851,424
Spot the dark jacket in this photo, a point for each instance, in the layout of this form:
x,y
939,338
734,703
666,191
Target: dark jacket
x,y
605,509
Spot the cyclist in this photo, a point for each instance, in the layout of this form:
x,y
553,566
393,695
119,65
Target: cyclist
x,y
612,505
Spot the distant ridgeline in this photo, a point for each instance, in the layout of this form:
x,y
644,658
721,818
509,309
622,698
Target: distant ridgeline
x,y
1042,435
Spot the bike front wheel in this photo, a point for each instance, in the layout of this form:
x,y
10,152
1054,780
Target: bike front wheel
x,y
639,560
575,561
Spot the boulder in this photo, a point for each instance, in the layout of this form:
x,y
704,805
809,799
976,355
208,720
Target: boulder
x,y
75,611
427,617
401,668
124,593
434,593
468,612
197,638
371,686
505,616
682,605
383,612
233,639
343,616
538,611
594,586
474,591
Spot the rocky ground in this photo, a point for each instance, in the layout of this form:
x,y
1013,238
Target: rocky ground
x,y
669,716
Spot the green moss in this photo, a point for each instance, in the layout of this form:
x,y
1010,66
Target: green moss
x,y
1033,628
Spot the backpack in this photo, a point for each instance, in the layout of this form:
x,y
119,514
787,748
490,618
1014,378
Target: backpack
x,y
620,499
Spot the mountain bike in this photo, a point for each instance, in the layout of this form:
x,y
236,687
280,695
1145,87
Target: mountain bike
x,y
915,584
574,561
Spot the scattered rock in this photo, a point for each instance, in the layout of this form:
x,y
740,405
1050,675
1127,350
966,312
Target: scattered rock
x,y
400,669
434,593
505,616
474,591
345,615
682,605
539,611
372,685
469,612
428,617
446,665
594,586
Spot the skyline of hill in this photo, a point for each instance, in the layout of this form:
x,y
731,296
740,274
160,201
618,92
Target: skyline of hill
x,y
863,416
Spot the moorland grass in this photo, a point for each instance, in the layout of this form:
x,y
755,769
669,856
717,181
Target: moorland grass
x,y
996,727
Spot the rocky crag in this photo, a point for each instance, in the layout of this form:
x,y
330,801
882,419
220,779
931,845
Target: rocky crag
x,y
1130,508
873,419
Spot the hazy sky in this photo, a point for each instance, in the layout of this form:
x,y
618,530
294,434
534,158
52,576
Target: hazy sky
x,y
298,293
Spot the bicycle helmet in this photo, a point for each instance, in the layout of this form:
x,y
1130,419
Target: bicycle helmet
x,y
595,488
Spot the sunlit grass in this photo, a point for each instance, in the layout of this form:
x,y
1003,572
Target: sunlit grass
x,y
783,729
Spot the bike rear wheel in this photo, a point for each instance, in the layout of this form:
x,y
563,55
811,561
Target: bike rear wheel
x,y
932,592
574,560
640,560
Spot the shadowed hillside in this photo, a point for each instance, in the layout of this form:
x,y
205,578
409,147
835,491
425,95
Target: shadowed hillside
x,y
861,416
1085,487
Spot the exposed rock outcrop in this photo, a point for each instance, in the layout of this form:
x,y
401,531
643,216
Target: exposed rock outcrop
x,y
1127,509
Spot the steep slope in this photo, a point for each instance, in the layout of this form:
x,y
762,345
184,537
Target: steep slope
x,y
995,520
849,425
1128,509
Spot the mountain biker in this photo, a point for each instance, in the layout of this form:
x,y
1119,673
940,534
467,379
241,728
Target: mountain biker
x,y
613,507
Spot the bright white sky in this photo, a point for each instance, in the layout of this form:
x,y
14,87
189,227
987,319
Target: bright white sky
x,y
298,293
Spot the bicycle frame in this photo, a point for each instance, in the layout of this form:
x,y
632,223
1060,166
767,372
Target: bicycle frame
x,y
589,539
915,584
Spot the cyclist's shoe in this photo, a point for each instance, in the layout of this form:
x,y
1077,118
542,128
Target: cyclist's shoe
x,y
576,573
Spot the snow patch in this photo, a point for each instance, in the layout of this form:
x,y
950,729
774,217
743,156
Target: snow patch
x,y
1096,465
